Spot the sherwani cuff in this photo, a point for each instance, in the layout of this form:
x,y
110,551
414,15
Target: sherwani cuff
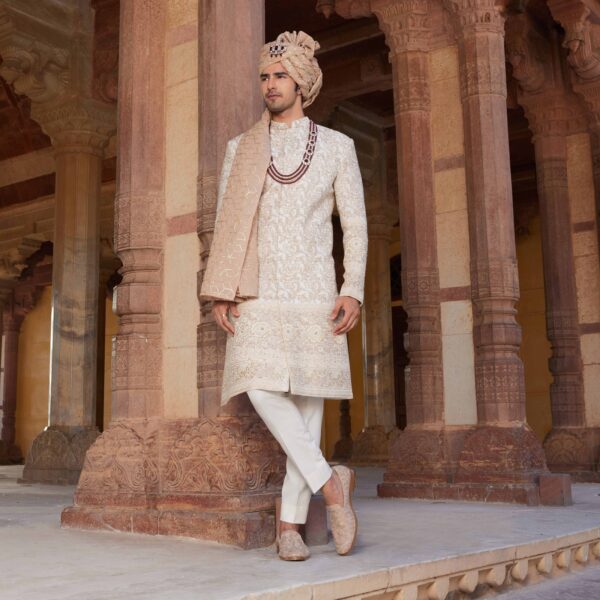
x,y
352,292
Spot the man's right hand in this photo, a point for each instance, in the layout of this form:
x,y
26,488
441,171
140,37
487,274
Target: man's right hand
x,y
220,309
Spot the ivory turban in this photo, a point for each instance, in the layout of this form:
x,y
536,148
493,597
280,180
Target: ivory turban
x,y
296,52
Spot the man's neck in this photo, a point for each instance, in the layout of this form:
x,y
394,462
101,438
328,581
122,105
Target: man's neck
x,y
288,116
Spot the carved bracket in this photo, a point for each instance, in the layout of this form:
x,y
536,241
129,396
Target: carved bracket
x,y
582,37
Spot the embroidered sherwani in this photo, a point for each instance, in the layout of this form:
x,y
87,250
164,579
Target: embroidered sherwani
x,y
284,338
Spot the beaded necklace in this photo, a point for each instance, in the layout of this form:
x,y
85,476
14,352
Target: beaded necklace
x,y
304,164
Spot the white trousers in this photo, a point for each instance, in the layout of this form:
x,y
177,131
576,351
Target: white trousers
x,y
295,422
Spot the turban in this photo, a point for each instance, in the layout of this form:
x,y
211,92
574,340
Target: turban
x,y
296,52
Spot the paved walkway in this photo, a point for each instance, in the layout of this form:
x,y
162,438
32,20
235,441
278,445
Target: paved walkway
x,y
41,560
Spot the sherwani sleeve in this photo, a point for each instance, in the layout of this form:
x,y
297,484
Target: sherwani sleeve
x,y
349,198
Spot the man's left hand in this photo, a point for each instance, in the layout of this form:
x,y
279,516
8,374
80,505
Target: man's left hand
x,y
351,308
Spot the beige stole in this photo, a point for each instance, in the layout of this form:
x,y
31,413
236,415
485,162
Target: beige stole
x,y
232,267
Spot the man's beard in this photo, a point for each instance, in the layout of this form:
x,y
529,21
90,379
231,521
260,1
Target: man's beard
x,y
279,108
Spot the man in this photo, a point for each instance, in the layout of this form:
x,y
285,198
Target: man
x,y
270,274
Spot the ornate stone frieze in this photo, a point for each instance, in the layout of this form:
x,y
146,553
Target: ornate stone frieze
x,y
482,78
138,221
421,286
223,455
124,459
495,279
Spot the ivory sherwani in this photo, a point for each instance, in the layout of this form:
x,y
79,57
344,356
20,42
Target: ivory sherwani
x,y
283,338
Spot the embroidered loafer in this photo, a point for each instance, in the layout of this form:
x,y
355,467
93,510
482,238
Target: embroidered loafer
x,y
291,546
342,518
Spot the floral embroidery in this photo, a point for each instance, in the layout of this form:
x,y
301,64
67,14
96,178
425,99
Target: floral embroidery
x,y
283,339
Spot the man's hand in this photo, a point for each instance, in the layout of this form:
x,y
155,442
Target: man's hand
x,y
351,308
219,312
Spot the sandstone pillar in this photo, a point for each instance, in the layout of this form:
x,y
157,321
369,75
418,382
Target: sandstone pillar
x,y
445,451
565,126
16,304
79,130
12,319
249,501
407,28
79,127
500,386
213,475
120,476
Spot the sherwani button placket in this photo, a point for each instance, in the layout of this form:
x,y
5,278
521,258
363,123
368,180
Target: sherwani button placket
x,y
278,255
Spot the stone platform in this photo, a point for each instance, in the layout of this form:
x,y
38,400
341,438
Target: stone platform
x,y
406,550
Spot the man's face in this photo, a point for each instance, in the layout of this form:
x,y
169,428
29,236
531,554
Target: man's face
x,y
279,90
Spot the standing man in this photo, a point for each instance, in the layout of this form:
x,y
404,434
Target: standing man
x,y
270,274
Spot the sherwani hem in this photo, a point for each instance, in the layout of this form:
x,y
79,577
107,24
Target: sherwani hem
x,y
262,384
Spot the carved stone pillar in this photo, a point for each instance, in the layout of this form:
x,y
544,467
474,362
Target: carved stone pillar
x,y
214,476
561,122
549,120
79,130
129,446
16,302
12,318
372,444
407,28
51,63
499,459
249,502
499,377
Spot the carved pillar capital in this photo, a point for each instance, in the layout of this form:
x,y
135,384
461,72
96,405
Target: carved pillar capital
x,y
406,24
476,16
80,124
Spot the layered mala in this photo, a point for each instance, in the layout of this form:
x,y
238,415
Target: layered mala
x,y
304,164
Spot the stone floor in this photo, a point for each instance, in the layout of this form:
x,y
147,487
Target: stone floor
x,y
41,560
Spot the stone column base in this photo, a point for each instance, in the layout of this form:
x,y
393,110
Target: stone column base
x,y
342,451
213,479
372,446
56,456
10,454
576,451
484,463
